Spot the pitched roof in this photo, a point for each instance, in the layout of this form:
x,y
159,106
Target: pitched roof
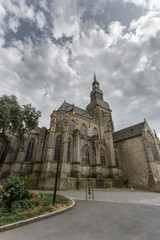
x,y
68,107
132,131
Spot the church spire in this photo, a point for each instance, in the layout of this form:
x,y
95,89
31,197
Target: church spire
x,y
96,92
95,80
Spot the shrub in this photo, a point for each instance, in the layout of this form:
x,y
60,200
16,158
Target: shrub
x,y
22,205
13,189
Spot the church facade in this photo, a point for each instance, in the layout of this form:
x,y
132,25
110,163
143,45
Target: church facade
x,y
88,149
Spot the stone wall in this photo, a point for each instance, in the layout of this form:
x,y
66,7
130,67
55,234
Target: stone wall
x,y
133,161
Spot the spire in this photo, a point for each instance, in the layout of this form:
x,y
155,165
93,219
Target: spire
x,y
96,92
95,82
96,96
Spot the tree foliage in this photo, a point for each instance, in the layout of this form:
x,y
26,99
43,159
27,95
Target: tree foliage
x,y
16,119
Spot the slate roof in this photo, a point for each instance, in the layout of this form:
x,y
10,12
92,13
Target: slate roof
x,y
98,102
66,106
132,131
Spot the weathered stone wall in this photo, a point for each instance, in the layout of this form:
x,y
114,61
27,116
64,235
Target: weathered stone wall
x,y
133,161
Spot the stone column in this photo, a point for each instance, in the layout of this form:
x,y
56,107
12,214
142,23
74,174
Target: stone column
x,y
51,139
64,147
108,135
48,168
39,151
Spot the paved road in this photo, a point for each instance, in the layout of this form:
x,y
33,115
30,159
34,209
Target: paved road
x,y
95,220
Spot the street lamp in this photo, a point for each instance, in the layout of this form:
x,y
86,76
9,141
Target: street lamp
x,y
57,171
58,160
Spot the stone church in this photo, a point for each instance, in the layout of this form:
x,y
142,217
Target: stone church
x,y
88,149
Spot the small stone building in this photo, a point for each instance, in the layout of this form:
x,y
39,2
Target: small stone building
x,y
88,149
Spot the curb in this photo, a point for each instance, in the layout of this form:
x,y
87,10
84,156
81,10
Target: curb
x,y
35,219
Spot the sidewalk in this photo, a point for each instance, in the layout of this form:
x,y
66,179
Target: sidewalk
x,y
114,195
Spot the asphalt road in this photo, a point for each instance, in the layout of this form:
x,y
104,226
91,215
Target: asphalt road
x,y
94,220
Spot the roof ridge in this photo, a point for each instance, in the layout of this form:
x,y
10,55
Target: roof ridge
x,y
78,108
129,127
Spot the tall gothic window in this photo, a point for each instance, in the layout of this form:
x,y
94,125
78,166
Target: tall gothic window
x,y
72,125
69,151
95,131
83,129
116,160
102,157
85,155
30,148
57,149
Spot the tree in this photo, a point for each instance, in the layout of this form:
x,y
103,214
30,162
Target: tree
x,y
16,119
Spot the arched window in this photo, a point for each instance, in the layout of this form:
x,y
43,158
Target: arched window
x,y
83,129
57,148
85,155
94,132
30,148
72,125
116,160
69,151
102,157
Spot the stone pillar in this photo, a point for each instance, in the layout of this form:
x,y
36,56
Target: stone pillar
x,y
48,168
51,139
39,152
108,135
64,147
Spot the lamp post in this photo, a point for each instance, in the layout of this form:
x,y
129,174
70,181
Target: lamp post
x,y
58,161
57,171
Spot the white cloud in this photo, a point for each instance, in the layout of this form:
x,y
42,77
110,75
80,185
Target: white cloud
x,y
148,4
41,20
20,9
13,24
146,26
46,72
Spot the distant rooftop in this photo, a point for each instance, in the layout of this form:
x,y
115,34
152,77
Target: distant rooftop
x,y
68,107
132,131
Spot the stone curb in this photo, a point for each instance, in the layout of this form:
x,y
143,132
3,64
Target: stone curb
x,y
35,219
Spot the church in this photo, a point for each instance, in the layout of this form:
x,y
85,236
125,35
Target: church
x,y
88,150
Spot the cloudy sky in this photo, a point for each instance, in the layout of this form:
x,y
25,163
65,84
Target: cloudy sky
x,y
49,50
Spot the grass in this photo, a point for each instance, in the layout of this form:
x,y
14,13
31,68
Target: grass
x,y
45,207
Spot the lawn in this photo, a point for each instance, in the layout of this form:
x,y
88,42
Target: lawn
x,y
44,207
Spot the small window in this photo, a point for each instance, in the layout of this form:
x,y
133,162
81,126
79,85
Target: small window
x,y
102,157
83,129
85,155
